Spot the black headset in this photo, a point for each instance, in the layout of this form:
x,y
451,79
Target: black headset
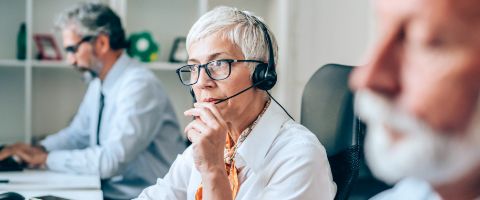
x,y
264,75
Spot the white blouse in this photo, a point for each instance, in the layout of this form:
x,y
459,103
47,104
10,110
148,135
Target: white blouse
x,y
280,159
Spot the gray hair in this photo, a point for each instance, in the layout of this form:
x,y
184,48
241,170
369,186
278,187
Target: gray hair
x,y
240,27
93,19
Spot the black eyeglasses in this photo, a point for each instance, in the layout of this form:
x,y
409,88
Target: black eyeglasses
x,y
216,70
74,48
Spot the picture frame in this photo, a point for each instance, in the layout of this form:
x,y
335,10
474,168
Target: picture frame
x,y
47,47
179,52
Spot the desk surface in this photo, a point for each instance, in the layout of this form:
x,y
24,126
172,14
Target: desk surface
x,y
67,194
32,183
44,179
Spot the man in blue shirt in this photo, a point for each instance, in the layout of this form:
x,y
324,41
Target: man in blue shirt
x,y
125,129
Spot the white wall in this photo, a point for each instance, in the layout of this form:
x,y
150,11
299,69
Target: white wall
x,y
12,81
312,33
12,100
56,95
165,19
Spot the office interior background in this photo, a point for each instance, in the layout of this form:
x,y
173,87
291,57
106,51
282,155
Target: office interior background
x,y
40,97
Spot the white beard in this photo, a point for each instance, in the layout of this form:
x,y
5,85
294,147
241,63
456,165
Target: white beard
x,y
421,152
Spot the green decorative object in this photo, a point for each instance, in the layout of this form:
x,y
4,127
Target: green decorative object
x,y
143,47
22,42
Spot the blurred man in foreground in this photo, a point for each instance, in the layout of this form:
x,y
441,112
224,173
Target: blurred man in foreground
x,y
419,94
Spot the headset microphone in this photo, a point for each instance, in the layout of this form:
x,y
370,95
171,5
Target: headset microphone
x,y
244,90
238,93
222,100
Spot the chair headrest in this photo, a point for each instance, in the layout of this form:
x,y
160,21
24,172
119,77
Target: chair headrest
x,y
327,108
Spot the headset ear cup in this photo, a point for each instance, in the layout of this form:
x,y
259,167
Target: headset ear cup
x,y
258,73
271,79
262,77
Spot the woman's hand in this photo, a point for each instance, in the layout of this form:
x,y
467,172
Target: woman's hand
x,y
207,134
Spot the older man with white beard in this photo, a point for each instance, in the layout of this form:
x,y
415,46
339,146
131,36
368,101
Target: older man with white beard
x,y
419,95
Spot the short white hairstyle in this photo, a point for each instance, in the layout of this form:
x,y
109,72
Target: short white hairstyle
x,y
240,27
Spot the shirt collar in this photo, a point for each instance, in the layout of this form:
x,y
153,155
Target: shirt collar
x,y
256,145
114,73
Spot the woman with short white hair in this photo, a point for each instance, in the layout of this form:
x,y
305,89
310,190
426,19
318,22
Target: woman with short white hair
x,y
243,145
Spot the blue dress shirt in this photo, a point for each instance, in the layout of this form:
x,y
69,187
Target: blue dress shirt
x,y
139,136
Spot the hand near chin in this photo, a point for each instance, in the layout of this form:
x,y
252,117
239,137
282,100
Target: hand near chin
x,y
207,134
34,156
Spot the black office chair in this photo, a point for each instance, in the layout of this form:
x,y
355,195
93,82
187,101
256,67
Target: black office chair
x,y
327,110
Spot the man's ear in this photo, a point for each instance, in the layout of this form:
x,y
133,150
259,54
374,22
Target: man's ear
x,y
102,44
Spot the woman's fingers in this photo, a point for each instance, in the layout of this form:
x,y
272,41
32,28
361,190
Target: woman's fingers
x,y
205,115
213,109
193,135
206,126
198,125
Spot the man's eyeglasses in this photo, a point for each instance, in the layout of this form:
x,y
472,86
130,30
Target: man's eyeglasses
x,y
216,70
74,48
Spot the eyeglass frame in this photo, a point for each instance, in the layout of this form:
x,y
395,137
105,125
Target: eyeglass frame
x,y
74,48
200,66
